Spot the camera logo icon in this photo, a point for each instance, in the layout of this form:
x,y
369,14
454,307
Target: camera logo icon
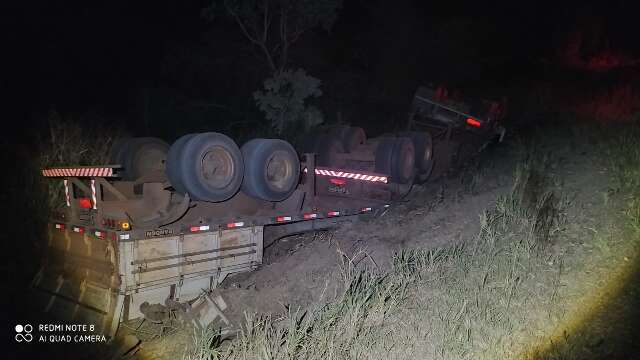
x,y
23,333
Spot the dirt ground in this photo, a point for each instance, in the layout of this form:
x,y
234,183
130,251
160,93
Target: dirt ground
x,y
300,270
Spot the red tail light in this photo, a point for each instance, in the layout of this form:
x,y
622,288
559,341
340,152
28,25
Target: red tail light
x,y
473,122
338,182
84,203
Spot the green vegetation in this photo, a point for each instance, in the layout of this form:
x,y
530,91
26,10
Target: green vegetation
x,y
520,285
68,143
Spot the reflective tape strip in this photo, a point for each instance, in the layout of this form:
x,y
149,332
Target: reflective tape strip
x,y
235,225
348,175
333,213
283,218
93,194
199,228
79,172
66,192
310,216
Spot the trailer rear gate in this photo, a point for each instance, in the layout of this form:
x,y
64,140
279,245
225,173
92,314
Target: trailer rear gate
x,y
103,281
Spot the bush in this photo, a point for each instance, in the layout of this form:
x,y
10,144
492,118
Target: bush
x,y
283,100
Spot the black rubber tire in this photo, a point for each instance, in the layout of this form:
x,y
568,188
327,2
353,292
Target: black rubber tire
x,y
426,174
210,167
118,152
352,138
423,145
327,147
259,182
173,164
140,156
396,158
338,131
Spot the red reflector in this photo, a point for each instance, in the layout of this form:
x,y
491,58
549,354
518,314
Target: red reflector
x,y
283,218
199,228
78,229
100,234
338,182
235,225
84,203
310,216
473,122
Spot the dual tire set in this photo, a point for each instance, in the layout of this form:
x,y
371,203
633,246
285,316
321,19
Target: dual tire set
x,y
340,139
211,167
405,156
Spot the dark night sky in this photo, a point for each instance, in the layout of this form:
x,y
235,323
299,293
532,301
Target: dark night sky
x,y
94,56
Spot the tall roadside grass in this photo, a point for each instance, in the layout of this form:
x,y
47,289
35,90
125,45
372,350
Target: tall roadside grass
x,y
470,300
521,286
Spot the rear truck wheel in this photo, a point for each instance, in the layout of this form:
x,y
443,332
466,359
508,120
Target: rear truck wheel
x,y
338,131
210,167
173,164
328,147
423,146
352,138
396,158
147,155
118,151
424,176
271,169
140,156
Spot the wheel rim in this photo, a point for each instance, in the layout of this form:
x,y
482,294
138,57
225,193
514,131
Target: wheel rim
x,y
278,171
217,167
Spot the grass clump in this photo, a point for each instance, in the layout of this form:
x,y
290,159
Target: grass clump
x,y
505,293
439,303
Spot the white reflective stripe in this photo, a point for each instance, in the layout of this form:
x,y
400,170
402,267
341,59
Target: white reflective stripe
x,y
93,194
124,236
204,228
79,172
66,192
348,175
58,226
